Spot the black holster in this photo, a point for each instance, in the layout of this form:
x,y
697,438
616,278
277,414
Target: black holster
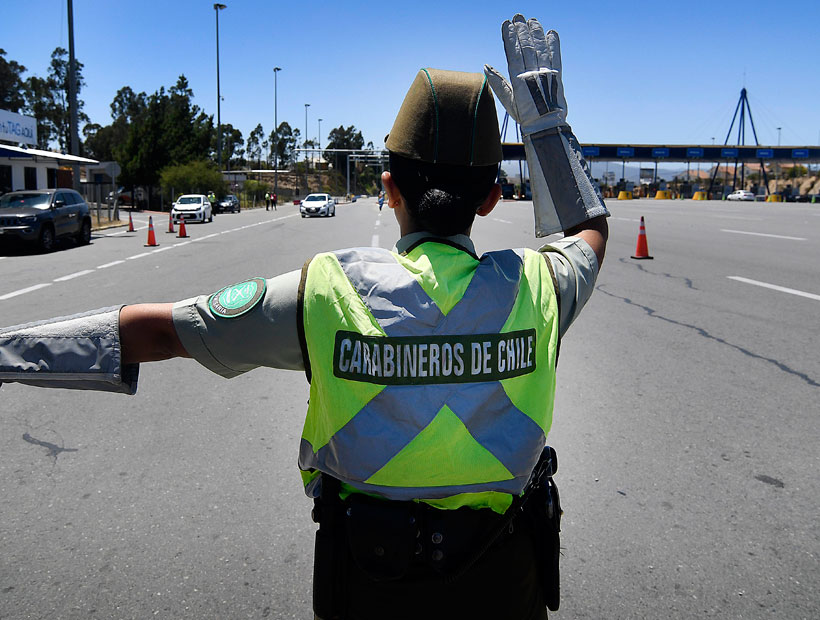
x,y
330,554
543,506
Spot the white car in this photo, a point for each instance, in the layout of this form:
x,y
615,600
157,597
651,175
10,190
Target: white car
x,y
318,204
192,208
740,194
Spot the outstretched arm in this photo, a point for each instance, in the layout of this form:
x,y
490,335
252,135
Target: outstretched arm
x,y
147,334
595,232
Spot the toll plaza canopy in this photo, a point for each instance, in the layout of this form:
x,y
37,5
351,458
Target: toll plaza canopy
x,y
513,151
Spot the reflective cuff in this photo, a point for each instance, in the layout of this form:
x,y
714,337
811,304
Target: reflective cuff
x,y
563,192
78,352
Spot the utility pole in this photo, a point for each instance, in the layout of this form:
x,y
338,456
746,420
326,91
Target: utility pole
x,y
74,147
307,105
218,7
276,135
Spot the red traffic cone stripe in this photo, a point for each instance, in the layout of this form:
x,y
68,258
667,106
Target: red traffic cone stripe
x,y
170,224
182,232
641,250
130,223
152,240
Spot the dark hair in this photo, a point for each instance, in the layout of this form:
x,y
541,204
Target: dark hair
x,y
442,198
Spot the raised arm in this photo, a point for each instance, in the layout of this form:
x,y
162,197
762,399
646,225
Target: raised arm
x,y
565,198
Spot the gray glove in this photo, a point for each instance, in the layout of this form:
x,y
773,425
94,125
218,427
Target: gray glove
x,y
564,194
80,352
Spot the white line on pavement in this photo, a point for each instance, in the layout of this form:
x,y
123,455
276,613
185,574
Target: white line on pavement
x,y
23,291
36,287
775,287
71,276
757,234
498,219
625,219
374,241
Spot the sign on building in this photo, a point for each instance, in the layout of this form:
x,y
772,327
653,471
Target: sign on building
x,y
18,128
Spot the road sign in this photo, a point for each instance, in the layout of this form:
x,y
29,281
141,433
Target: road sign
x,y
800,153
626,151
660,151
728,153
591,151
694,152
765,153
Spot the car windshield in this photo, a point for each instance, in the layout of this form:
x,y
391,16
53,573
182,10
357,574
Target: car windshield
x,y
316,198
14,200
189,200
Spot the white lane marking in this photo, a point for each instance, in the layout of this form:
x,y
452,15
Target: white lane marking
x,y
374,241
498,219
125,232
71,276
775,287
23,291
757,234
625,219
37,287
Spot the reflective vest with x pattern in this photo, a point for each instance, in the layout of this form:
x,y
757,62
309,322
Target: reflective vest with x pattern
x,y
432,372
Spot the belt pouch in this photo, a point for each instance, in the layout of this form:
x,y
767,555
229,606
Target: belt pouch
x,y
381,535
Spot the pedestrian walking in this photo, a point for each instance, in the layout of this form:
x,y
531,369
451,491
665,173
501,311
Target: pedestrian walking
x,y
431,367
267,201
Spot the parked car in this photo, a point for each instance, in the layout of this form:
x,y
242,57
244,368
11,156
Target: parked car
x,y
318,204
42,216
228,203
124,198
740,194
192,208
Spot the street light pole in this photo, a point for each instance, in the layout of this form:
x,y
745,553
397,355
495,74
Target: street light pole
x,y
320,137
276,135
74,141
218,7
307,105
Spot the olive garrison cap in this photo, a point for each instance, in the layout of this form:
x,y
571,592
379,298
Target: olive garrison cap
x,y
447,117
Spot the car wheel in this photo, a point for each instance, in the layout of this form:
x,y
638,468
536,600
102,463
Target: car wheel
x,y
303,215
211,216
46,241
84,236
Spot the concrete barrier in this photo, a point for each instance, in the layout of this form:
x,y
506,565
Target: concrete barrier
x,y
662,195
699,196
622,195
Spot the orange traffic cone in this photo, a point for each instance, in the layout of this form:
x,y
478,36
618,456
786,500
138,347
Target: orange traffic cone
x,y
641,250
130,223
170,224
182,232
152,240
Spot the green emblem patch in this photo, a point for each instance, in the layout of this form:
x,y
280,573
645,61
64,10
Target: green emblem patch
x,y
237,299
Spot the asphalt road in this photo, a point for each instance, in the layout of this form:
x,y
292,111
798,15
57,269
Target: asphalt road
x,y
686,425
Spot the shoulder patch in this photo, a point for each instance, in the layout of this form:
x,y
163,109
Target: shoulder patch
x,y
237,299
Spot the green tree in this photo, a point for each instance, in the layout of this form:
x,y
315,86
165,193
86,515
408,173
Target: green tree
x,y
342,138
58,81
231,143
39,104
194,177
11,84
253,144
170,130
282,142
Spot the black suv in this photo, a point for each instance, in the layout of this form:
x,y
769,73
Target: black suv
x,y
41,216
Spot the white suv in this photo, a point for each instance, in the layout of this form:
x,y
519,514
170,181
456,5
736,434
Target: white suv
x,y
192,208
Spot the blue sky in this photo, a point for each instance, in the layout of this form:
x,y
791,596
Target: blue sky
x,y
639,72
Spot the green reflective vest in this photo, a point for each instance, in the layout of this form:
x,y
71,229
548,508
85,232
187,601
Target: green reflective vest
x,y
432,372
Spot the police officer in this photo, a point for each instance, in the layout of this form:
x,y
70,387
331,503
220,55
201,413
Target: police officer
x,y
431,369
